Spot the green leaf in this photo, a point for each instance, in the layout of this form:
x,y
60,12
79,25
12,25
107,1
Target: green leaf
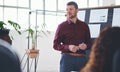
x,y
31,32
2,24
15,25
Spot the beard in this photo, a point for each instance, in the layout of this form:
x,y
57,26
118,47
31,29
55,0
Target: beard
x,y
71,17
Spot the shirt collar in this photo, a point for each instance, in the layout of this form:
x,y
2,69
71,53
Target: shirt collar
x,y
70,22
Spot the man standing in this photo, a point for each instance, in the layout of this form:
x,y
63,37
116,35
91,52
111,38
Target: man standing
x,y
72,38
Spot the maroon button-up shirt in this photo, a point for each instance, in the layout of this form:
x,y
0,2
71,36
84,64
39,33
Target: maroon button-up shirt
x,y
69,33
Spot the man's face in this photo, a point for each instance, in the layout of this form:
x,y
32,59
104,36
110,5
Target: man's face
x,y
71,11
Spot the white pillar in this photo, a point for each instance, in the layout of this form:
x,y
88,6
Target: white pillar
x,y
108,2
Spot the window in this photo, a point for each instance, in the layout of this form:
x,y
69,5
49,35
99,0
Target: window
x,y
117,2
93,3
55,10
1,2
15,10
10,2
1,13
50,5
23,3
12,15
82,3
23,18
36,4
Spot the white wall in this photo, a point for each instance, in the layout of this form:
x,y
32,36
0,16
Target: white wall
x,y
48,57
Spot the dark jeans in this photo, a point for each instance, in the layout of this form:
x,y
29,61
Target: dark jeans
x,y
71,63
87,54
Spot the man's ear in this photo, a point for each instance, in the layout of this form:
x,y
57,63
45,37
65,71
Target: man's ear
x,y
77,10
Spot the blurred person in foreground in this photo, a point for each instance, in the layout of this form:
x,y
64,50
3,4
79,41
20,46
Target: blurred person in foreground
x,y
103,50
9,61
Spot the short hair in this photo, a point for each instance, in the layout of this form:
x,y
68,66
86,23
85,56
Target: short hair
x,y
4,32
73,3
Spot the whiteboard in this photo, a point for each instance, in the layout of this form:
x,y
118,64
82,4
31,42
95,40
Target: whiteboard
x,y
81,15
116,17
94,30
98,15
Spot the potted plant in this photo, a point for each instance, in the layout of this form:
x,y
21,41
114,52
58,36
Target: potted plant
x,y
33,34
33,53
15,25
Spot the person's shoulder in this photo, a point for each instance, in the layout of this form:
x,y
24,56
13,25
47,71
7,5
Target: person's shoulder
x,y
63,23
6,49
82,22
9,57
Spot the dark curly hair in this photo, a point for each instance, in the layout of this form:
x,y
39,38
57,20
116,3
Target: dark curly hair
x,y
103,50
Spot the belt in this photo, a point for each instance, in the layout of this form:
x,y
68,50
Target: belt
x,y
75,54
